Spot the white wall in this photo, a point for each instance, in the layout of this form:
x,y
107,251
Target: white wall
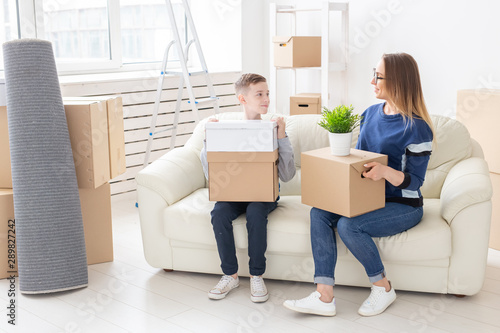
x,y
218,24
456,44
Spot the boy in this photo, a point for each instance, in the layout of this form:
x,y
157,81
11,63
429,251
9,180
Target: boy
x,y
253,94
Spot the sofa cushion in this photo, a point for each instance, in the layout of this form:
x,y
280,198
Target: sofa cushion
x,y
288,229
188,220
451,145
428,240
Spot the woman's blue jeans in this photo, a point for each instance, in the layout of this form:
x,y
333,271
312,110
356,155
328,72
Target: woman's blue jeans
x,y
223,215
356,233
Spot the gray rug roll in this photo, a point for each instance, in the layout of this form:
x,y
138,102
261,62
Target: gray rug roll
x,y
49,228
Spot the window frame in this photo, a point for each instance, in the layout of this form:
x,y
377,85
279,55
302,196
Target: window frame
x,y
31,25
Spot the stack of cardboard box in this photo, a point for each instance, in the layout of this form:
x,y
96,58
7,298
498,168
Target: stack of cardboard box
x,y
96,133
479,111
242,160
296,52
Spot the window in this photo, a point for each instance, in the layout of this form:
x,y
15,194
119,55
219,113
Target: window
x,y
145,30
77,29
8,24
95,35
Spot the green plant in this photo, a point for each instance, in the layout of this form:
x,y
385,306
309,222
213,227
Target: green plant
x,y
340,119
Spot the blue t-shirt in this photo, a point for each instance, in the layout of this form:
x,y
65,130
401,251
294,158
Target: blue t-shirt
x,y
408,145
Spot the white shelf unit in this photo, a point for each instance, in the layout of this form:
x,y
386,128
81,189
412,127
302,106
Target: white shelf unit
x,y
326,65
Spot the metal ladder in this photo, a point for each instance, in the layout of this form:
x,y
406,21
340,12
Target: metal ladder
x,y
184,76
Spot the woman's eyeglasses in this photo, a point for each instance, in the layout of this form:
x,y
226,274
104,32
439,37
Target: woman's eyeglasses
x,y
375,77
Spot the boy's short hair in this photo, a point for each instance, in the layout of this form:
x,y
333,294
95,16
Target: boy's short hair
x,y
241,86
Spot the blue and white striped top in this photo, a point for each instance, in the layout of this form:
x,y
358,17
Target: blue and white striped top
x,y
408,145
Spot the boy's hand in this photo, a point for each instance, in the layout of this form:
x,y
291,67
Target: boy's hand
x,y
281,127
211,120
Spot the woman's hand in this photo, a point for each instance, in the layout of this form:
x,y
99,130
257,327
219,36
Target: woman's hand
x,y
377,171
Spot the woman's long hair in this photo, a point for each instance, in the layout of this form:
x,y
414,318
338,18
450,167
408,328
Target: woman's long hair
x,y
402,83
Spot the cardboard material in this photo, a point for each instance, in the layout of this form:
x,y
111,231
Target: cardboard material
x,y
96,213
305,104
7,235
241,135
297,51
5,170
334,183
495,216
243,176
116,132
88,131
479,111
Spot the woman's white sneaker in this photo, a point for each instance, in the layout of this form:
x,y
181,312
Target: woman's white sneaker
x,y
225,285
377,302
258,290
312,304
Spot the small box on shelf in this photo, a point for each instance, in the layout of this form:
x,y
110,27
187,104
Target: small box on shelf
x,y
297,51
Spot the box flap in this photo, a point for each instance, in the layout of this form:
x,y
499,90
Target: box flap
x,y
241,124
306,98
247,157
6,191
80,102
282,39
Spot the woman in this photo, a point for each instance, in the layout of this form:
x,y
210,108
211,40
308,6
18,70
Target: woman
x,y
400,128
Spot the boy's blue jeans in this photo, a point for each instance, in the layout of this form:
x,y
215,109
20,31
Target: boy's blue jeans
x,y
356,233
223,215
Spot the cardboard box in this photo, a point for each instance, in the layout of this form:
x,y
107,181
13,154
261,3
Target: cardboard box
x,y
7,235
479,111
116,132
241,135
88,131
297,51
495,216
334,183
97,226
305,104
243,176
5,169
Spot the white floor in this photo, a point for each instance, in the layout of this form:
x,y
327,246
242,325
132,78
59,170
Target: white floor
x,y
128,295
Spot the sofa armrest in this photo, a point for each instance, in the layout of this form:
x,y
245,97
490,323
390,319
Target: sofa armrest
x,y
467,183
173,176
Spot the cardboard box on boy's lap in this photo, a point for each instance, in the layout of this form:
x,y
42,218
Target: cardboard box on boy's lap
x,y
242,160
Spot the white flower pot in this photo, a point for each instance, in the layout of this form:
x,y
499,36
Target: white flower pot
x,y
340,143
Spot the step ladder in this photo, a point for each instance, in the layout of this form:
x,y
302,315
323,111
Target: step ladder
x,y
184,78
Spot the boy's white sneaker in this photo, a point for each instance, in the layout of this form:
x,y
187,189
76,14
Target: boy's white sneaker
x,y
312,304
225,285
377,302
258,290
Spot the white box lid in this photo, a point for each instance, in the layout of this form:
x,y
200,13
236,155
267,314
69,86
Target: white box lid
x,y
241,124
241,135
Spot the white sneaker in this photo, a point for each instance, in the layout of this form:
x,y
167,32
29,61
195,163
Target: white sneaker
x,y
312,304
225,285
377,302
258,290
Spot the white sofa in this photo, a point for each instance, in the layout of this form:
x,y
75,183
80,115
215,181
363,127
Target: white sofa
x,y
445,253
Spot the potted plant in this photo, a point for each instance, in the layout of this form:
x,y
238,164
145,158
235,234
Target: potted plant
x,y
340,122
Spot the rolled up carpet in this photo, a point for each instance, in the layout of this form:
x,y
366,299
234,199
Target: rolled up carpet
x,y
49,228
